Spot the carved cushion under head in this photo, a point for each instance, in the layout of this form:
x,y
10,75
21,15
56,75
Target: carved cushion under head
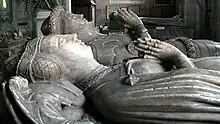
x,y
61,22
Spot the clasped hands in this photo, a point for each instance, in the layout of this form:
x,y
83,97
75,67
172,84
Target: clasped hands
x,y
155,48
146,45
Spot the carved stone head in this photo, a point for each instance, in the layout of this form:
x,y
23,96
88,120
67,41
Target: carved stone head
x,y
61,22
54,57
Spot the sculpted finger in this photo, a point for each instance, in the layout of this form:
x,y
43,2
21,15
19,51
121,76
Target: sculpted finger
x,y
122,12
123,15
131,12
120,15
149,47
154,43
144,46
125,12
146,56
150,43
118,8
140,40
149,52
143,50
135,42
152,40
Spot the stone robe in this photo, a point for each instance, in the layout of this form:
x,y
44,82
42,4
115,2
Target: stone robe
x,y
183,96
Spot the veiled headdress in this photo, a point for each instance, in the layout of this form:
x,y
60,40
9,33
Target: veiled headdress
x,y
37,66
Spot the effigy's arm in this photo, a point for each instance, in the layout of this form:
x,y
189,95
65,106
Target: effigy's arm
x,y
164,52
182,61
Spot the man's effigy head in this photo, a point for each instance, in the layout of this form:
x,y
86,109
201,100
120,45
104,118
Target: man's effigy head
x,y
62,22
49,57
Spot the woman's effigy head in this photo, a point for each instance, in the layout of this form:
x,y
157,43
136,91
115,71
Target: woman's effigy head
x,y
50,57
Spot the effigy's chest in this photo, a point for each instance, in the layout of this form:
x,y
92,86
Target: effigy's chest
x,y
112,49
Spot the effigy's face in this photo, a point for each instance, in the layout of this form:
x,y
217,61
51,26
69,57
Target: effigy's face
x,y
67,49
73,46
74,23
78,49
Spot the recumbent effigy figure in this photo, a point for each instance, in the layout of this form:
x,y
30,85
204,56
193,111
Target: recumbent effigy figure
x,y
43,61
133,91
108,49
113,48
46,97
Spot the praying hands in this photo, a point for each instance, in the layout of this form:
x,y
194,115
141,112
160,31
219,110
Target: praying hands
x,y
162,51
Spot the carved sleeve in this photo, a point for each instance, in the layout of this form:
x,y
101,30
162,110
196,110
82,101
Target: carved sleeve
x,y
141,31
